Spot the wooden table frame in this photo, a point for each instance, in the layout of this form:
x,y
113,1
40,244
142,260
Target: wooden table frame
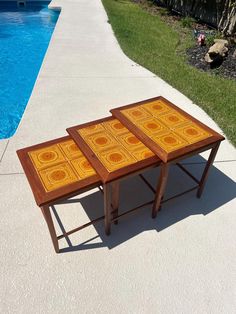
x,y
111,180
104,174
157,149
200,183
46,199
212,142
61,195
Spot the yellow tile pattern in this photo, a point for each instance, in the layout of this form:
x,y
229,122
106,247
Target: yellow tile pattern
x,y
116,158
115,127
83,167
70,149
57,176
100,141
192,133
114,145
170,141
60,164
165,126
91,129
156,108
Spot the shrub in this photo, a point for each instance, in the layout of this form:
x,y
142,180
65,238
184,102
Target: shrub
x,y
211,37
187,21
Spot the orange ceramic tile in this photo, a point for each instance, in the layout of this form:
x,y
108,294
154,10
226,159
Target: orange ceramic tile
x,y
130,141
57,176
101,141
152,126
143,153
114,146
45,157
82,167
166,125
115,158
192,133
136,114
90,130
70,149
115,127
53,166
170,141
157,107
173,119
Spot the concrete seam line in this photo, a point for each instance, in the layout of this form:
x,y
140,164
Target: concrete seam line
x,y
4,151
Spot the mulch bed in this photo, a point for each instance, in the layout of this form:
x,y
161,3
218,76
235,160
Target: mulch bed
x,y
196,54
227,69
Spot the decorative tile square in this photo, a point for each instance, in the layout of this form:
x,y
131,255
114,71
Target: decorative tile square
x,y
45,157
170,142
100,141
136,114
173,119
83,168
92,129
115,158
192,133
115,127
143,153
70,149
57,176
152,126
157,107
130,141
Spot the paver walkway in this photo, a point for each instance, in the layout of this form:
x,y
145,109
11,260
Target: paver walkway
x,y
182,262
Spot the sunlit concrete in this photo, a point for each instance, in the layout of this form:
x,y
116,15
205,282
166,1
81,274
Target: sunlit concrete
x,y
181,262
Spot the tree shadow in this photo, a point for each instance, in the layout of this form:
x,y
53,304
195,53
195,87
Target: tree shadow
x,y
219,190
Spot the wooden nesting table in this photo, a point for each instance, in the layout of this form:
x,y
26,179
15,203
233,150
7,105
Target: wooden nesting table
x,y
115,154
136,138
172,134
56,171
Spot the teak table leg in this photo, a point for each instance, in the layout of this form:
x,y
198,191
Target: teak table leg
x,y
115,186
206,170
107,207
48,218
160,188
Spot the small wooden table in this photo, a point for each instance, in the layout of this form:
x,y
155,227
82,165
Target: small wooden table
x,y
115,154
56,171
172,134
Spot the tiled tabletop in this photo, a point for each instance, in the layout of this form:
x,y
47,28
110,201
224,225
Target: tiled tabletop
x,y
111,148
166,129
57,168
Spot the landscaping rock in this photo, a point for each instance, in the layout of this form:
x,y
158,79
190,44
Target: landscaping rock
x,y
217,52
221,41
227,69
234,54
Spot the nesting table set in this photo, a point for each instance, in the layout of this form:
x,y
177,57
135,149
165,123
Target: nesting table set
x,y
101,153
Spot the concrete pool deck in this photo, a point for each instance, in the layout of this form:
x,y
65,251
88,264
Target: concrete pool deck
x,y
182,262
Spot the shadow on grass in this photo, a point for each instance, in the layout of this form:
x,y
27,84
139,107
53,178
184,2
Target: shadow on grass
x,y
219,190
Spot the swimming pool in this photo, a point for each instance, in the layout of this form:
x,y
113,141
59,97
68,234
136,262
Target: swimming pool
x,y
25,33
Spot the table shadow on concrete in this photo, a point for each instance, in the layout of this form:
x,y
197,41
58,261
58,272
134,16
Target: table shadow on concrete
x,y
219,190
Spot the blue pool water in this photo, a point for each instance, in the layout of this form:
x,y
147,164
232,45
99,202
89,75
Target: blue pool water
x,y
24,37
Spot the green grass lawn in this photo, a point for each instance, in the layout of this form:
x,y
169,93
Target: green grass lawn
x,y
149,41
